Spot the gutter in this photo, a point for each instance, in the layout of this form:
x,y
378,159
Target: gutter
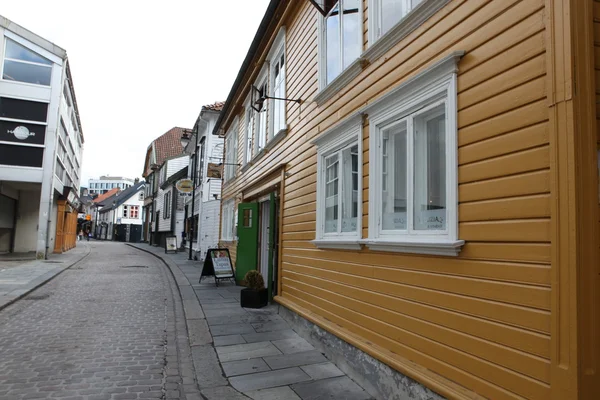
x,y
258,37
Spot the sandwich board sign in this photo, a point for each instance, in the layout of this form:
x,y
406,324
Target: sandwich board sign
x,y
171,244
217,264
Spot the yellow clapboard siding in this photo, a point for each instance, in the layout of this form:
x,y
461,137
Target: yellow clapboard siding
x,y
517,185
299,227
513,120
307,189
518,252
298,236
465,362
366,260
362,301
537,206
531,136
300,200
518,316
523,340
309,216
502,82
506,101
527,230
515,163
515,55
305,208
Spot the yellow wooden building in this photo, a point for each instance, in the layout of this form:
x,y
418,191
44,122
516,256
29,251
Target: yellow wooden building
x,y
419,178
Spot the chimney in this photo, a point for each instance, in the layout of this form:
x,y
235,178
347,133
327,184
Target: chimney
x,y
136,181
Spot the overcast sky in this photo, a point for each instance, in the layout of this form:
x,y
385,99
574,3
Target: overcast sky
x,y
141,67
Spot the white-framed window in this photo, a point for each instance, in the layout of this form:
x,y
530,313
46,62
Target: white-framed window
x,y
384,14
167,205
413,204
340,38
277,74
227,220
231,140
125,209
339,186
134,212
24,65
260,119
248,132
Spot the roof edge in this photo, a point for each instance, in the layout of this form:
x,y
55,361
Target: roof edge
x,y
32,37
258,37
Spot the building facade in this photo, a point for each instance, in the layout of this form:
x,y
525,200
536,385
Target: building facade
x,y
106,183
207,159
120,215
166,146
425,201
41,144
169,205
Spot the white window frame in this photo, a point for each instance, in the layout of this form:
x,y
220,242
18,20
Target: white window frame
x,y
231,141
346,74
248,132
263,79
379,43
342,136
275,54
437,83
227,220
125,211
33,48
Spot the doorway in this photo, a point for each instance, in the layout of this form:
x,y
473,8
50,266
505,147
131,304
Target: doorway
x,y
264,239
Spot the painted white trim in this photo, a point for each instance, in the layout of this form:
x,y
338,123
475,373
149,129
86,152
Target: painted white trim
x,y
381,44
337,244
24,121
436,83
326,91
22,144
33,47
277,49
340,136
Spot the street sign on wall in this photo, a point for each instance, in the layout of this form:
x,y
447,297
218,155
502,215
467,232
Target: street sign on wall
x,y
185,186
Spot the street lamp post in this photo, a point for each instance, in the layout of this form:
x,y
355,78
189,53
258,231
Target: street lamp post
x,y
185,140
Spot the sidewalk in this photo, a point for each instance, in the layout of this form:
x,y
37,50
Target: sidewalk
x,y
20,277
243,353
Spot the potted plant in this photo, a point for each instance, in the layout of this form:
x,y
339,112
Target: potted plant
x,y
255,295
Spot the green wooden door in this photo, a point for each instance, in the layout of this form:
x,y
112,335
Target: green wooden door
x,y
247,249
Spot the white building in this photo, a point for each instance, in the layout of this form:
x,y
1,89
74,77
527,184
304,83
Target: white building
x,y
41,144
120,216
169,206
207,205
105,183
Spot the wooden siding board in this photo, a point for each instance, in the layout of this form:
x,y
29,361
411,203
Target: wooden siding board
x,y
536,182
362,301
537,206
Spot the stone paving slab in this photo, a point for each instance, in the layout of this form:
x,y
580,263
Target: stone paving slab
x,y
273,335
294,360
263,380
292,345
243,367
278,393
270,326
246,351
322,371
330,389
231,329
222,393
228,340
244,319
198,332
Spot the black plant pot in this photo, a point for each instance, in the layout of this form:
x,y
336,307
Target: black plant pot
x,y
250,298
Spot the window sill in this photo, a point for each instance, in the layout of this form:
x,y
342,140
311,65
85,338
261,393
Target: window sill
x,y
406,25
340,82
276,139
438,247
337,244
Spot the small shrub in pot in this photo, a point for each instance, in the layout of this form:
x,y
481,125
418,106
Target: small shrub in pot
x,y
255,295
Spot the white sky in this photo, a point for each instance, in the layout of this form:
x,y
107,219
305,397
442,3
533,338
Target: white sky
x,y
141,67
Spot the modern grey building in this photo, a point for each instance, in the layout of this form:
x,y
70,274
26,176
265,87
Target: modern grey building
x,y
105,183
41,144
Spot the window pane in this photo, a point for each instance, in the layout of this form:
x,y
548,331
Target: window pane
x,y
332,43
430,170
350,189
331,194
394,182
351,36
391,12
18,52
29,73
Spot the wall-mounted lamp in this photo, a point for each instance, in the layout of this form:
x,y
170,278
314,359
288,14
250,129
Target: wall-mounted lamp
x,y
259,98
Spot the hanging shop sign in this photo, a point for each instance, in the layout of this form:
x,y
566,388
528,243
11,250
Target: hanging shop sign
x,y
214,171
185,186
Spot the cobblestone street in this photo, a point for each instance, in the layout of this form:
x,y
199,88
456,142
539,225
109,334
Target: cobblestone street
x,y
103,329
